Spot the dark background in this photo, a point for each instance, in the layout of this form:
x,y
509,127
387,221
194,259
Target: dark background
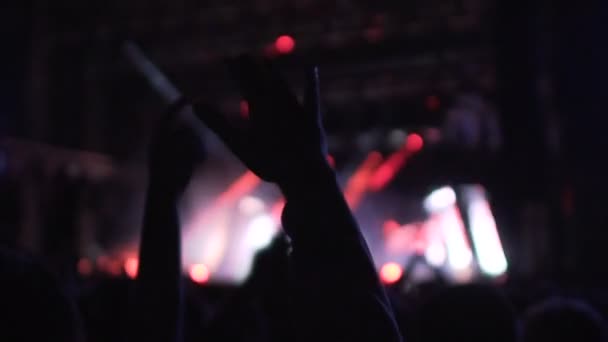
x,y
71,104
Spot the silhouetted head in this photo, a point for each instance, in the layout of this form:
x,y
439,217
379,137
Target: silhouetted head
x,y
559,319
32,306
468,313
269,269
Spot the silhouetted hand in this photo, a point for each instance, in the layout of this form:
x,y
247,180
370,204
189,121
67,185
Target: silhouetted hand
x,y
283,140
174,152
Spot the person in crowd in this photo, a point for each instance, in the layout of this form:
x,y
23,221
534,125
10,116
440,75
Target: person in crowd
x,y
334,289
265,291
33,307
471,313
560,319
157,305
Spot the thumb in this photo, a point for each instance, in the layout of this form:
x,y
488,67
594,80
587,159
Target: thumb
x,y
312,105
312,101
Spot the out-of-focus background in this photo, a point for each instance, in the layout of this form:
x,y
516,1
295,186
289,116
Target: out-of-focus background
x,y
468,135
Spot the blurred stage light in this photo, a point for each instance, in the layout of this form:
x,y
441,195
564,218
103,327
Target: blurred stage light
x,y
435,254
390,273
85,267
357,184
390,226
492,260
251,205
199,273
260,231
440,199
239,188
103,262
277,209
459,253
331,161
131,267
433,103
414,142
115,268
244,108
285,44
374,34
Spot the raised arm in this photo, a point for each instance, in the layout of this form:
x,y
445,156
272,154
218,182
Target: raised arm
x,y
335,288
157,305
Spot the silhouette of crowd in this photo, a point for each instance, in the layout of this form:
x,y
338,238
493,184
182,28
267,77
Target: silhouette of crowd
x,y
315,282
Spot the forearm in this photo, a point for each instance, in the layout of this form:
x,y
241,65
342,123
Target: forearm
x,y
335,285
321,226
158,286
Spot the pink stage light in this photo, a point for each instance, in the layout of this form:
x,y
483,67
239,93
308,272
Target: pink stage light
x,y
390,273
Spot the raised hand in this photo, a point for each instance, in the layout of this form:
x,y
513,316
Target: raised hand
x,y
283,140
174,152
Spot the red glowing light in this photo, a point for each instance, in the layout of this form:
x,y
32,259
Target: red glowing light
x,y
331,160
357,184
239,188
433,103
285,44
414,142
374,34
390,273
244,109
131,267
382,177
390,226
114,268
102,262
277,209
199,273
85,266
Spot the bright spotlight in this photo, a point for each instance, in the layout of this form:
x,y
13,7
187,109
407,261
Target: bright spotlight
x,y
199,273
440,199
131,267
285,44
459,253
435,254
390,273
260,231
251,205
492,260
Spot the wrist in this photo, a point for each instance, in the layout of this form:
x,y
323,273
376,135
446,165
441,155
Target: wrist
x,y
309,183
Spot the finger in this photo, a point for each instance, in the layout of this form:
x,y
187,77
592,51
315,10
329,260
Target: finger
x,y
312,97
312,105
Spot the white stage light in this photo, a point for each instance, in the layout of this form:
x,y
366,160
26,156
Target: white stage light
x,y
492,260
435,254
251,205
260,231
440,199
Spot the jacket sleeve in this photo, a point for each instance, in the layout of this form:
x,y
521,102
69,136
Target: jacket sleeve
x,y
336,293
